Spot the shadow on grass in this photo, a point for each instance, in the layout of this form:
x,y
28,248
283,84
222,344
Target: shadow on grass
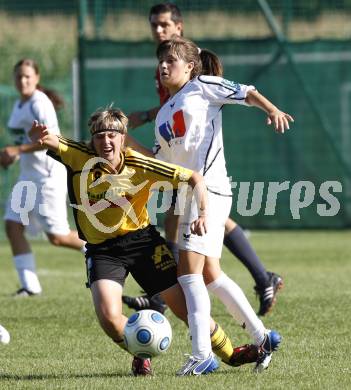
x,y
63,376
10,377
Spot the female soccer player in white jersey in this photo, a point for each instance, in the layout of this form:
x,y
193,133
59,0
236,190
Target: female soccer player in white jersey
x,y
189,132
41,178
166,22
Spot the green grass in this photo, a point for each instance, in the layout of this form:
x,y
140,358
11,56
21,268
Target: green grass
x,y
57,344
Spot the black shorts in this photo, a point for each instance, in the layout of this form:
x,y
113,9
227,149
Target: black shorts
x,y
142,253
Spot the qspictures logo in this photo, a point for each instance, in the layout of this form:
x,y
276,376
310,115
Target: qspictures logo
x,y
250,198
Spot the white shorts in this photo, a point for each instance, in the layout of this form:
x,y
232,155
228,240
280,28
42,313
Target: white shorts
x,y
39,206
212,242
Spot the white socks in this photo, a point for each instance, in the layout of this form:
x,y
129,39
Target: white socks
x,y
238,306
25,266
199,308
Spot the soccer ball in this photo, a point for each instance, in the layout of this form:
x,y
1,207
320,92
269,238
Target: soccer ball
x,y
147,334
4,335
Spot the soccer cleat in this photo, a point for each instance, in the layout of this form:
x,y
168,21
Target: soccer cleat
x,y
267,295
195,366
270,344
248,353
141,367
145,302
23,293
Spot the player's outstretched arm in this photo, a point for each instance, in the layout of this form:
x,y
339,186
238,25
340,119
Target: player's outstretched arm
x,y
279,119
39,134
10,154
139,118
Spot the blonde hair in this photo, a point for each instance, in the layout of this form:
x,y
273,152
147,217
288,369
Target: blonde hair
x,y
109,119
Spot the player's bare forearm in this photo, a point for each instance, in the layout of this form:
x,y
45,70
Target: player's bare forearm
x,y
139,118
199,226
30,148
279,119
254,98
11,153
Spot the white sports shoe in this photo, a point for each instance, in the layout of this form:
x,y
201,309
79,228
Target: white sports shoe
x,y
195,366
270,344
263,362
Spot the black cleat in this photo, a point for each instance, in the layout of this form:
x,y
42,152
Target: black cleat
x,y
145,302
267,295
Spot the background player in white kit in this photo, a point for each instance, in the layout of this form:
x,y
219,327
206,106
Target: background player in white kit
x,y
189,129
45,178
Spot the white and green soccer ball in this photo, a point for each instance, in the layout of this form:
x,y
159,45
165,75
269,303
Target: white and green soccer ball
x,y
147,334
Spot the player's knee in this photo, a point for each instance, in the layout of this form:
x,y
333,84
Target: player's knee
x,y
112,317
13,230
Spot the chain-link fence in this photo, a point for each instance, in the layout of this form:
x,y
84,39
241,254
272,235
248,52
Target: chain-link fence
x,y
297,52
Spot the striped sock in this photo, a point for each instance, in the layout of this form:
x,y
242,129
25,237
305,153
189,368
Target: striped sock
x,y
221,344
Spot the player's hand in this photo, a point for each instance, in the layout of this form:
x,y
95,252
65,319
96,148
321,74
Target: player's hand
x,y
2,160
199,226
9,155
37,132
280,120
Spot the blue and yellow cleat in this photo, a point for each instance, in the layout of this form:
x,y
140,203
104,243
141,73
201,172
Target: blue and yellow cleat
x,y
195,366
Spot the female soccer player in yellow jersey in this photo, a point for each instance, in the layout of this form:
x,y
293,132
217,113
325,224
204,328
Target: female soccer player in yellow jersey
x,y
109,186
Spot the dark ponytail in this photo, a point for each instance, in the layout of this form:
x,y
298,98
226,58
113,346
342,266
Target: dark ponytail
x,y
211,65
56,99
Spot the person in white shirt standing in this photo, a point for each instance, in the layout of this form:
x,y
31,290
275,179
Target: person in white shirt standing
x,y
38,199
166,21
188,130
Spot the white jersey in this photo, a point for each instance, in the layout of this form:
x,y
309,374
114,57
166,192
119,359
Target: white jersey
x,y
35,166
188,128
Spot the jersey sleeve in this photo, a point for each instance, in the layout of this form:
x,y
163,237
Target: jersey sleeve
x,y
222,91
72,154
155,170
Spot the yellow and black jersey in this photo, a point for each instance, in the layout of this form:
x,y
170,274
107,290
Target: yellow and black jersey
x,y
107,205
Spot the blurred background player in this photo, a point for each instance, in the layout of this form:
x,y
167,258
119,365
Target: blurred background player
x,y
166,21
42,176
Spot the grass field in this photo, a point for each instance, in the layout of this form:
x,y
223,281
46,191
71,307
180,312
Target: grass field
x,y
57,343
